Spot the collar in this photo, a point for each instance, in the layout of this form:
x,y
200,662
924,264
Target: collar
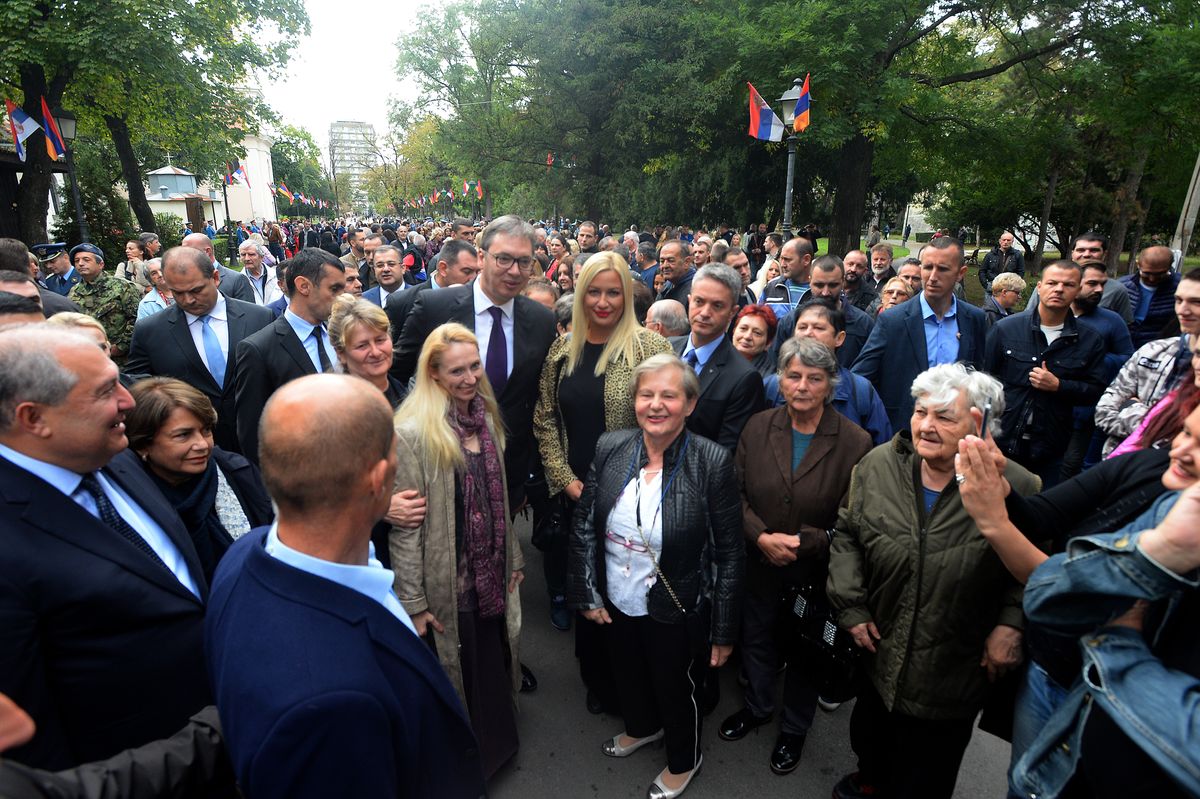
x,y
61,478
927,311
369,579
218,311
303,327
483,302
703,353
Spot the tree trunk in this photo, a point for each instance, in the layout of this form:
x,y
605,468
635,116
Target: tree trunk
x,y
1125,200
33,192
1140,230
854,177
131,170
1044,220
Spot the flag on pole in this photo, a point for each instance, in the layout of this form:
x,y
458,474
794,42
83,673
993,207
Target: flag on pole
x,y
235,171
801,120
435,195
479,189
466,187
763,122
283,192
549,160
450,194
20,125
55,146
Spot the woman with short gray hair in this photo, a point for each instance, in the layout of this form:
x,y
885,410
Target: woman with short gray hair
x,y
919,587
793,464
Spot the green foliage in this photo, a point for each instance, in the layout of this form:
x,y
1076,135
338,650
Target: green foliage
x,y
110,224
296,163
169,227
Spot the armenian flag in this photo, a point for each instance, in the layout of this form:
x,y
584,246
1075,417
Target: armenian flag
x,y
55,146
764,124
801,121
283,192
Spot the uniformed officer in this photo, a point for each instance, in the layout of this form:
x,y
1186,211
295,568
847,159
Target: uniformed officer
x,y
112,301
58,274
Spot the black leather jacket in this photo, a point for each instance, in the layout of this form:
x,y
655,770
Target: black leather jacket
x,y
702,551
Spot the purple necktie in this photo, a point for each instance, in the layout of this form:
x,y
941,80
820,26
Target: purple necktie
x,y
497,353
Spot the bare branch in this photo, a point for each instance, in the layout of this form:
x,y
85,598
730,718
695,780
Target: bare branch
x,y
977,74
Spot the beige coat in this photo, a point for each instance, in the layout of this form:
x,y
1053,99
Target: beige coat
x,y
423,558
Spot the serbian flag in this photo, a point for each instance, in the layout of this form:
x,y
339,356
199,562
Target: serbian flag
x,y
763,122
801,122
466,187
235,171
54,140
20,125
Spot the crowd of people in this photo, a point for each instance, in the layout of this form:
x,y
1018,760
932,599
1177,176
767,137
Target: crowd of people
x,y
257,525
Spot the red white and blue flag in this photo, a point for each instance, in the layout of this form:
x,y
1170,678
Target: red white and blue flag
x,y
235,171
801,120
21,126
764,124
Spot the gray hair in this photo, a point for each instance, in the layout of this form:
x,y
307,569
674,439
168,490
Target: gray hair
x,y
666,360
261,249
564,309
30,370
509,225
671,315
814,355
941,386
725,275
416,239
1008,280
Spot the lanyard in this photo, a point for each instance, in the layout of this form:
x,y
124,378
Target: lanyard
x,y
637,502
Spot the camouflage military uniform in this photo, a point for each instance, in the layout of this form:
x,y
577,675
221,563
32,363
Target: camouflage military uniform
x,y
113,302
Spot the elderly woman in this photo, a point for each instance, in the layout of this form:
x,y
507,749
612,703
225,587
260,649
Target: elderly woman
x,y
219,495
458,570
584,393
894,292
655,553
1007,288
361,337
793,465
922,593
158,298
753,332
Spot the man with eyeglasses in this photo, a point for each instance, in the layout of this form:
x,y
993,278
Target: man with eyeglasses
x,y
514,332
1151,294
1006,292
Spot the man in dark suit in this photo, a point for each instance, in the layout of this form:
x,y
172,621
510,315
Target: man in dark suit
x,y
102,598
456,264
931,329
388,274
488,305
731,390
294,345
14,258
233,283
280,305
324,687
196,338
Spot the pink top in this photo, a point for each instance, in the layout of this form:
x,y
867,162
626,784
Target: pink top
x,y
1130,444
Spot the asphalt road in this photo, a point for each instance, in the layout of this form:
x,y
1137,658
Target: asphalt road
x,y
560,754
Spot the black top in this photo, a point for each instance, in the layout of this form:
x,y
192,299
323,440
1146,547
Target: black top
x,y
581,403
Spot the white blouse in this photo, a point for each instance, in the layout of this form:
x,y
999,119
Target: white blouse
x,y
629,566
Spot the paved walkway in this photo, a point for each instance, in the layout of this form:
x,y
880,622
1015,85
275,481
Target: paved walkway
x,y
560,741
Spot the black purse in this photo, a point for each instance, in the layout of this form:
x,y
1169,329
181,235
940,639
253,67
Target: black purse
x,y
811,639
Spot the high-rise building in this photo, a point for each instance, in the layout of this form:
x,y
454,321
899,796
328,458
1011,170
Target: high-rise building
x,y
352,152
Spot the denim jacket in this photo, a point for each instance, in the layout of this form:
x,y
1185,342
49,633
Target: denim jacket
x,y
1079,592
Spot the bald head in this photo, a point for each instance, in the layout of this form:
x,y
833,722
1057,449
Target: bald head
x,y
188,257
1157,258
320,436
198,241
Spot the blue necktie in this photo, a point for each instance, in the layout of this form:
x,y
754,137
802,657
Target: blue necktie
x,y
110,516
212,351
693,361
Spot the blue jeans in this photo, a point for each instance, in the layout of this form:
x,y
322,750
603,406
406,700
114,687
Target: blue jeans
x,y
1037,699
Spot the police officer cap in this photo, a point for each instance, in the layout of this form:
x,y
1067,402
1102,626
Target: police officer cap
x,y
48,252
87,247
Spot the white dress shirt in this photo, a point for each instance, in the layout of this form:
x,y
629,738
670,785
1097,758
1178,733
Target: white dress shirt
x,y
219,322
68,482
483,323
384,294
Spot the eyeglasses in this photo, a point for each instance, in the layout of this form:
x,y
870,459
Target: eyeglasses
x,y
524,263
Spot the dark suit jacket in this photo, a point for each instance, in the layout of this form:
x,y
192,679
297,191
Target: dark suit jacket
x,y
804,502
533,333
731,391
323,692
278,306
895,353
264,362
400,306
102,647
235,285
162,346
53,302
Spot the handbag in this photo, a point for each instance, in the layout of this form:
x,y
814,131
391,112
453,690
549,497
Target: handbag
x,y
813,640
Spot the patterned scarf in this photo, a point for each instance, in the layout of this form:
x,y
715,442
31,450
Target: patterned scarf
x,y
484,547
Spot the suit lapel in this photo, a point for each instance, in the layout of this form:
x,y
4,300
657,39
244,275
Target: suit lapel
x,y
916,335
292,345
821,445
177,323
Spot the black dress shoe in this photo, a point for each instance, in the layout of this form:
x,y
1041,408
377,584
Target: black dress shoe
x,y
786,755
594,705
528,681
739,724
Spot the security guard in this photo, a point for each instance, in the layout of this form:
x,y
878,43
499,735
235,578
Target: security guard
x,y
111,300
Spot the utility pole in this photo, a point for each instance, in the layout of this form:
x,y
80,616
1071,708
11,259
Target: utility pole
x,y
1187,217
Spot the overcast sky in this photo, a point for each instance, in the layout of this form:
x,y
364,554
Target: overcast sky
x,y
332,76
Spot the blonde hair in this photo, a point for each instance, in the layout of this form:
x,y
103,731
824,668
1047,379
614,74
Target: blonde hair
x,y
72,319
350,311
623,344
427,407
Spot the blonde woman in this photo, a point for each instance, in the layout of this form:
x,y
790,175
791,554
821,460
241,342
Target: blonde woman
x,y
768,272
458,570
584,393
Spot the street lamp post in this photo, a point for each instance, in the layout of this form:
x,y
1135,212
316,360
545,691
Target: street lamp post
x,y
66,126
789,99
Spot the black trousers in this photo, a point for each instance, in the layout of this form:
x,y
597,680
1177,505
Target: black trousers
x,y
906,757
760,665
652,666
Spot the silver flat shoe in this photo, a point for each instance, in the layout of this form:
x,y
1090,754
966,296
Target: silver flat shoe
x,y
660,791
612,747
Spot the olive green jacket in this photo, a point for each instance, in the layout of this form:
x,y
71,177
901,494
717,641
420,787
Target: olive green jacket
x,y
113,302
617,410
932,584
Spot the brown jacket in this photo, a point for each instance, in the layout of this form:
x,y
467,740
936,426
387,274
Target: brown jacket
x,y
806,502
